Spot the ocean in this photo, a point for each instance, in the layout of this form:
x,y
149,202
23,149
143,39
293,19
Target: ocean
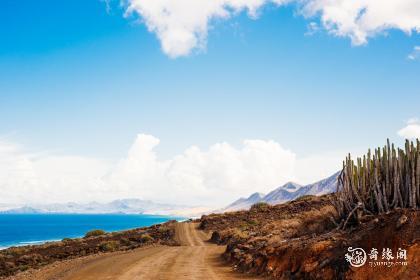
x,y
29,229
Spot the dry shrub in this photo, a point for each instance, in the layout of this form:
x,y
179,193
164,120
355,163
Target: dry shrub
x,y
259,206
95,232
109,246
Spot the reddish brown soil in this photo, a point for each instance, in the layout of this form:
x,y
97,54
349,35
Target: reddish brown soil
x,y
298,240
16,259
193,259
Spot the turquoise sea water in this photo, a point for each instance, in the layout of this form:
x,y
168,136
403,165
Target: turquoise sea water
x,y
25,229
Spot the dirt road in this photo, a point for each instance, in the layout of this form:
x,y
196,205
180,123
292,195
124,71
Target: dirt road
x,y
194,259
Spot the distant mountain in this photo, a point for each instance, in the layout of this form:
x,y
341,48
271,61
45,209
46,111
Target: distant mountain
x,y
328,185
243,203
282,194
122,206
21,210
285,193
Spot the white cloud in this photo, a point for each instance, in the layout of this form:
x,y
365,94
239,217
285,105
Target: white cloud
x,y
182,25
415,54
215,176
411,130
26,177
362,19
197,176
312,28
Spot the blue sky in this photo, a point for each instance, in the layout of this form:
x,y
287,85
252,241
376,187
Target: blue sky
x,y
78,79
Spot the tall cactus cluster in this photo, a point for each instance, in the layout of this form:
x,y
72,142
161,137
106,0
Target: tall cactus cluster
x,y
379,182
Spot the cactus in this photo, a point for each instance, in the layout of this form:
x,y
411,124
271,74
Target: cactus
x,y
379,182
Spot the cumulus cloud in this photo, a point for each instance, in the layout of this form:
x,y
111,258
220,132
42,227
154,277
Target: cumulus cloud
x,y
415,54
182,25
411,130
362,19
27,177
213,177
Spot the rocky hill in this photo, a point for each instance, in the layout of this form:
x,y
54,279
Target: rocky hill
x,y
300,240
287,192
244,203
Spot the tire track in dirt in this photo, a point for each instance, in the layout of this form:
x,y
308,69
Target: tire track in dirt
x,y
194,259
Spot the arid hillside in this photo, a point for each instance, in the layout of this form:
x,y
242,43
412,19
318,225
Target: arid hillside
x,y
300,240
18,259
296,240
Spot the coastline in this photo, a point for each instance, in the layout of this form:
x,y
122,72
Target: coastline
x,y
90,222
22,258
30,243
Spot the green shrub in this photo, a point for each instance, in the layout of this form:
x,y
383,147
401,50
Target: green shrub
x,y
253,223
244,226
259,206
116,233
163,229
305,197
95,232
17,251
109,246
23,267
145,238
125,242
240,234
